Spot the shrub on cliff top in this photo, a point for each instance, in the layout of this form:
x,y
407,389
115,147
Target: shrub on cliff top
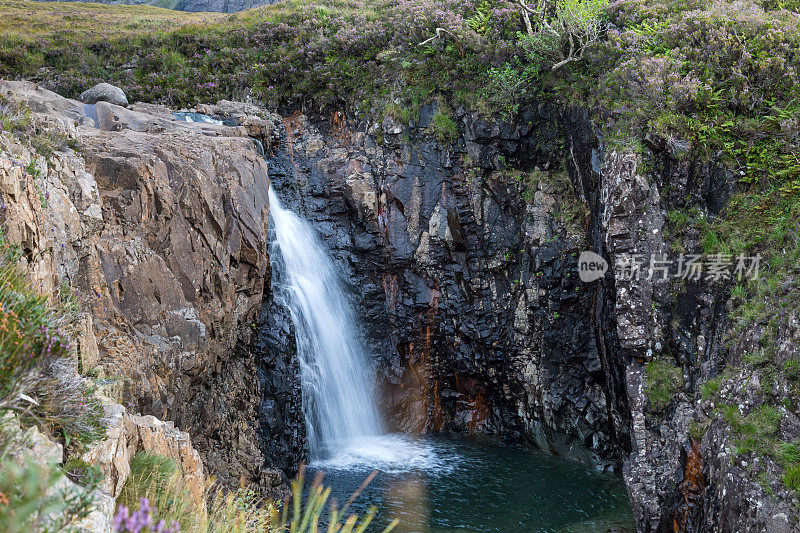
x,y
323,53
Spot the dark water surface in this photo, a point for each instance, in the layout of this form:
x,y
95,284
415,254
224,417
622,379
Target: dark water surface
x,y
461,484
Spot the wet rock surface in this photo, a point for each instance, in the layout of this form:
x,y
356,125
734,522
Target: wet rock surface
x,y
461,258
466,278
465,273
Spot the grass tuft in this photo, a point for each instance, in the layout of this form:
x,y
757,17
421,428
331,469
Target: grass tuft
x,y
663,381
159,479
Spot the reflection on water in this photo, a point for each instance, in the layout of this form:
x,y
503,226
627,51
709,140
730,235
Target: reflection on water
x,y
458,484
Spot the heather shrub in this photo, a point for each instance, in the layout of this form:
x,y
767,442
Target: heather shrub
x,y
293,54
716,73
142,520
37,374
31,331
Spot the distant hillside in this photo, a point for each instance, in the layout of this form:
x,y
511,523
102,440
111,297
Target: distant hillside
x,y
195,6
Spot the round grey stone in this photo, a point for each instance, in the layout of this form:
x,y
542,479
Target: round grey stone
x,y
104,92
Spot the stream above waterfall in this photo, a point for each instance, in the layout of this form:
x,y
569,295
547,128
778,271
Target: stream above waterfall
x,y
440,484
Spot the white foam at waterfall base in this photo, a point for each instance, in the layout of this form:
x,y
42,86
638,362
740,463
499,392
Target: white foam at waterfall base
x,y
393,454
344,427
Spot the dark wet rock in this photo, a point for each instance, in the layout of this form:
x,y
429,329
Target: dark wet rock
x,y
282,427
468,294
467,289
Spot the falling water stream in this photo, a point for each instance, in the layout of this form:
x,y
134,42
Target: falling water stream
x,y
338,402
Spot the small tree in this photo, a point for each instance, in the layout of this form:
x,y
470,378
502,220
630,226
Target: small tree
x,y
560,31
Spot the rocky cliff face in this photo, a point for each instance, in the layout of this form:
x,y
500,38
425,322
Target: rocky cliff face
x,y
466,274
462,257
162,226
683,473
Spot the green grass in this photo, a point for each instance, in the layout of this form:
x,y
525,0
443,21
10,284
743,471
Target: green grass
x,y
791,478
663,381
58,22
711,388
242,510
159,479
443,127
757,432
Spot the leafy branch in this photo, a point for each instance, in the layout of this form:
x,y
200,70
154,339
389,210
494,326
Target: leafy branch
x,y
562,30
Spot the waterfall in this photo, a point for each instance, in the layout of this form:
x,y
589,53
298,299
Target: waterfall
x,y
338,391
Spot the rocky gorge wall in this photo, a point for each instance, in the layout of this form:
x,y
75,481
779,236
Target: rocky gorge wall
x,y
461,257
161,227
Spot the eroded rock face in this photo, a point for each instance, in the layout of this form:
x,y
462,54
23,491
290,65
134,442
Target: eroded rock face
x,y
162,225
464,276
468,294
469,299
149,434
679,480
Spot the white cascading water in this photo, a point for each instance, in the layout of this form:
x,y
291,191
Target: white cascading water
x,y
338,392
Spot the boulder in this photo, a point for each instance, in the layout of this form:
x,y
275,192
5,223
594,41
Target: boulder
x,y
104,92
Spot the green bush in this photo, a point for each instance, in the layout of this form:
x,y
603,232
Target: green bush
x,y
32,495
30,499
